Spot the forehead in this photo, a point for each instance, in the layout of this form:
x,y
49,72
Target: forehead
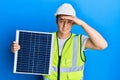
x,y
59,16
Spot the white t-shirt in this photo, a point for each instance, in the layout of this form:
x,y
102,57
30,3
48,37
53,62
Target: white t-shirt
x,y
62,41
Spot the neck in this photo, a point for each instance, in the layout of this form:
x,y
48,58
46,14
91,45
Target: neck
x,y
63,36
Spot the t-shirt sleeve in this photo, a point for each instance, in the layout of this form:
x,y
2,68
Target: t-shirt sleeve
x,y
83,42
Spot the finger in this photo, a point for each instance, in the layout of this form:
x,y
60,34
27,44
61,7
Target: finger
x,y
14,42
67,17
14,50
16,47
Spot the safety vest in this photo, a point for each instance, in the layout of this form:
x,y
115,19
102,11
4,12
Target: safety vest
x,y
70,65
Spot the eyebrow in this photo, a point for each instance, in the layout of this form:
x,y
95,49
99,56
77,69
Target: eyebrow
x,y
60,19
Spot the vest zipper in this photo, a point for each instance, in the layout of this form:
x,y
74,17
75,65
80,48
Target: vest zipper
x,y
58,76
59,57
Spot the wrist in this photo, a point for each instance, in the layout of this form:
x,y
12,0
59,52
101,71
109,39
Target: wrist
x,y
80,22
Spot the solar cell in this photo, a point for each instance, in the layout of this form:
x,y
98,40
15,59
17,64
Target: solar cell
x,y
35,54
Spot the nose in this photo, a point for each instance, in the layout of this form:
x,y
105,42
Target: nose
x,y
65,23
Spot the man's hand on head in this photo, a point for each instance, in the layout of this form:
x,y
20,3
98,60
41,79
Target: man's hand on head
x,y
74,19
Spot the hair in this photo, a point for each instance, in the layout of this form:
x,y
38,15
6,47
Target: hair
x,y
57,17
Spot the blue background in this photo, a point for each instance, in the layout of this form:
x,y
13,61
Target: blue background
x,y
38,15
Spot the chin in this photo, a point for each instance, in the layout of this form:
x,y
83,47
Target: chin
x,y
65,32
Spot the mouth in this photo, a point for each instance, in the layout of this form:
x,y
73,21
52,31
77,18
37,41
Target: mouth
x,y
65,29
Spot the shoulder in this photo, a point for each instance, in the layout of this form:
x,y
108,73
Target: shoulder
x,y
82,36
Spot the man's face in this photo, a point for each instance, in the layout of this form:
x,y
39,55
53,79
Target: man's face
x,y
64,25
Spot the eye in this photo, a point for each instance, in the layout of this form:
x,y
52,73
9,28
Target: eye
x,y
61,21
70,21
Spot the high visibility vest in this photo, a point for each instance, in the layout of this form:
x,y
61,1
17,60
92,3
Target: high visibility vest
x,y
70,65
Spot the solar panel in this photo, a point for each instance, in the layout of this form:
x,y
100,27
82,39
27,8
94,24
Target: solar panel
x,y
35,54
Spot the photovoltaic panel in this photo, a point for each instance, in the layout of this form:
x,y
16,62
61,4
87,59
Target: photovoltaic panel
x,y
35,54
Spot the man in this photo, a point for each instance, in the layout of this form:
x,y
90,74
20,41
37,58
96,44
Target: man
x,y
68,59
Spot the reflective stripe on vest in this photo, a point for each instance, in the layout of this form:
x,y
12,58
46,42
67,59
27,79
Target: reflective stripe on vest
x,y
72,69
44,78
74,60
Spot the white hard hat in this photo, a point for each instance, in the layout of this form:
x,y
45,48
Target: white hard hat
x,y
66,9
